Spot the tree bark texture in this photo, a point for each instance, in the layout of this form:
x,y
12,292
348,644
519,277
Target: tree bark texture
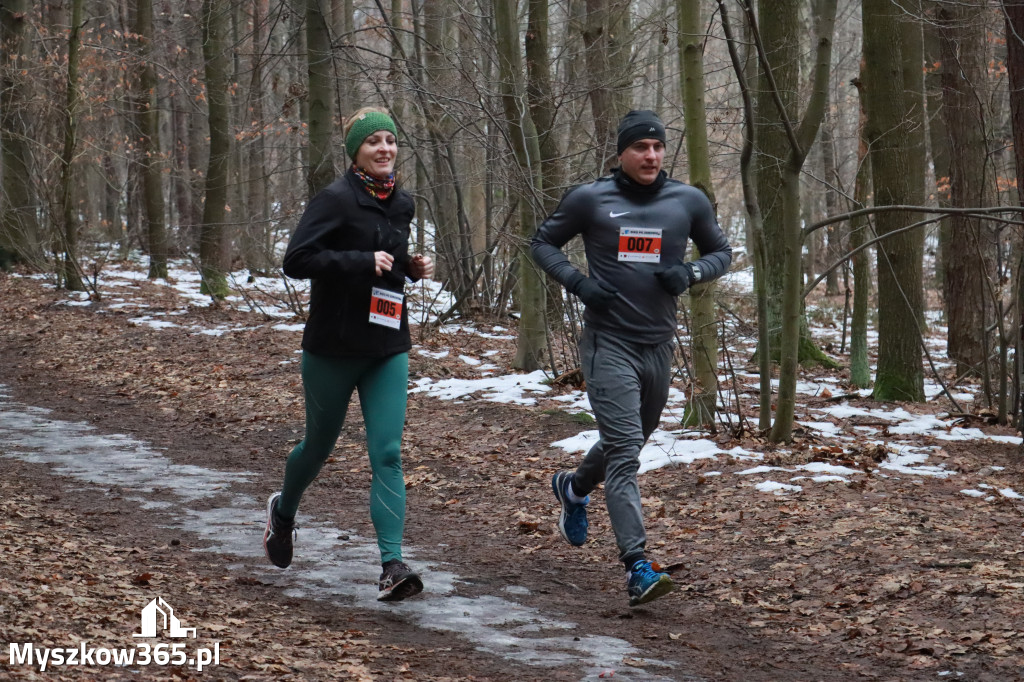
x,y
700,410
972,262
1014,13
70,269
258,244
525,144
320,123
540,95
755,227
149,153
900,374
780,34
212,256
19,226
938,141
860,228
454,251
606,36
796,135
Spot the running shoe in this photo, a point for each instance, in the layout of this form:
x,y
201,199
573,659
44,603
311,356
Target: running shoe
x,y
572,521
277,539
646,582
398,582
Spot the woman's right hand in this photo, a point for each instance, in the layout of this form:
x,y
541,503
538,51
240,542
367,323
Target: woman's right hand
x,y
382,261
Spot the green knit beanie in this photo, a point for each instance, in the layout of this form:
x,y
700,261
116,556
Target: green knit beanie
x,y
367,124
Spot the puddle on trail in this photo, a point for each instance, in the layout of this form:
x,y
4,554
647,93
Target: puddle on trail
x,y
335,565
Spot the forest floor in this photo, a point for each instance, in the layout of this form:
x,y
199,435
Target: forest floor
x,y
881,577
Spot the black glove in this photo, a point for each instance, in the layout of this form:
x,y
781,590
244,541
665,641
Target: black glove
x,y
597,296
675,279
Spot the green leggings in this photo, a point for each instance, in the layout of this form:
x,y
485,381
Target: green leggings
x,y
383,391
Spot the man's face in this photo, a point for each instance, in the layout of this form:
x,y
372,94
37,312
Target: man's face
x,y
642,160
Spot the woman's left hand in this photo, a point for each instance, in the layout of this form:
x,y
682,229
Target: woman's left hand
x,y
421,266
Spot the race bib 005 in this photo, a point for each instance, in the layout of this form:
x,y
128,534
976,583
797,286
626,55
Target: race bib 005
x,y
386,308
640,244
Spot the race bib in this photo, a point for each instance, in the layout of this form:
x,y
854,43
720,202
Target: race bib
x,y
640,244
386,308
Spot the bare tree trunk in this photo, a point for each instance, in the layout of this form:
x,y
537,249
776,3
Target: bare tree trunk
x,y
112,222
779,34
396,74
833,234
938,140
700,410
192,143
212,256
808,199
455,259
69,270
346,57
755,224
606,36
19,225
523,134
540,93
320,119
900,372
972,263
860,368
800,141
1014,12
260,250
149,155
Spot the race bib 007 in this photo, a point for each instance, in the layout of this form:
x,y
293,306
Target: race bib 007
x,y
640,244
386,308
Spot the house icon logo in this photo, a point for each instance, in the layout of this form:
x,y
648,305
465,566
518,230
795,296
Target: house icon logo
x,y
158,614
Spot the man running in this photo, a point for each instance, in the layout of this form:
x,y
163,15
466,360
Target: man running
x,y
635,225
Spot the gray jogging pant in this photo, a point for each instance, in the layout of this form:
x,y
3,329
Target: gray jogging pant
x,y
627,384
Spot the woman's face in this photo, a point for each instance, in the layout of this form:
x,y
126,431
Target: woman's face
x,y
376,155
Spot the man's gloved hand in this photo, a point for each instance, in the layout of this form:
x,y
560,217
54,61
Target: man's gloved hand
x,y
675,279
597,296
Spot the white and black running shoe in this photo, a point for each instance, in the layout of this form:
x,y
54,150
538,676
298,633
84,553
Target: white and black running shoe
x,y
398,582
277,539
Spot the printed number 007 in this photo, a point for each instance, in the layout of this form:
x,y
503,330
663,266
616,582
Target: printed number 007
x,y
639,244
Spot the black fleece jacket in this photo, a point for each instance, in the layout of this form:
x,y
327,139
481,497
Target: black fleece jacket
x,y
333,246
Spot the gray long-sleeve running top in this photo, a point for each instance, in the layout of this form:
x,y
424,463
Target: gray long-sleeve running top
x,y
628,232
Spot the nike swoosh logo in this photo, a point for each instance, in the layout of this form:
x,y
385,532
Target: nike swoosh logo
x,y
613,214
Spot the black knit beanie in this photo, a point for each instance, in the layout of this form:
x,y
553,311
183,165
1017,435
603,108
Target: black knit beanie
x,y
639,125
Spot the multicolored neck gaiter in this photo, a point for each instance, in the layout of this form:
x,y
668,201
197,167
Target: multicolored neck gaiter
x,y
380,189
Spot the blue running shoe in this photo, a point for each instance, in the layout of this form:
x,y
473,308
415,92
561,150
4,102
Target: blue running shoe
x,y
646,582
572,522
